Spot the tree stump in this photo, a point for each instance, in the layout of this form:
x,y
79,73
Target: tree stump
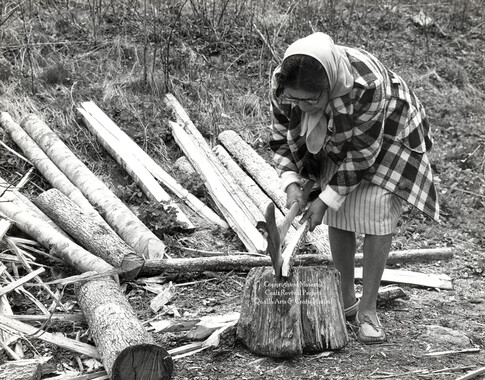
x,y
299,314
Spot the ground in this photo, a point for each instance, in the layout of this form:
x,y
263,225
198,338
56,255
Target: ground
x,y
216,58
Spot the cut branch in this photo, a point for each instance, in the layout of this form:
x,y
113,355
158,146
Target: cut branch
x,y
117,214
70,344
15,284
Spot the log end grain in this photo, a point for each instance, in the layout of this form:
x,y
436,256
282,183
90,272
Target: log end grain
x,y
143,362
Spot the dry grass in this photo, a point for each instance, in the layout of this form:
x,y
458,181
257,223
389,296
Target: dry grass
x,y
216,57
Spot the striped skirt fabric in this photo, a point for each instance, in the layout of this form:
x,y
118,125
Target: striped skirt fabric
x,y
369,209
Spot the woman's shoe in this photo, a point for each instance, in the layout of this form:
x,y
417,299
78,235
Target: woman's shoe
x,y
369,332
351,311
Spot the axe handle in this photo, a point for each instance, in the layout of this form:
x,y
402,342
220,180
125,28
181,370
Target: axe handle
x,y
294,210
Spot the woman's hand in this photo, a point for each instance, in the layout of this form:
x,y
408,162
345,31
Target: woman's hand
x,y
314,214
294,194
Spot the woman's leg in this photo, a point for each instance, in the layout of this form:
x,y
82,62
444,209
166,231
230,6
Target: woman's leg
x,y
376,251
342,245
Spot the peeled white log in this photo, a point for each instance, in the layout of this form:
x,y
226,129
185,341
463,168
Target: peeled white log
x,y
265,175
50,237
122,153
24,203
44,165
156,170
246,183
117,214
246,231
242,200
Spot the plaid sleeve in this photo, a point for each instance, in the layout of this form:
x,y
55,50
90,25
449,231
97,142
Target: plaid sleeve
x,y
363,135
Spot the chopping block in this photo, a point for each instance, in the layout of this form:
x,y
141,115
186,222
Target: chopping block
x,y
287,317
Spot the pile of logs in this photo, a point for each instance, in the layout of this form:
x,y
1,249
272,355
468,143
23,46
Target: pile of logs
x,y
83,224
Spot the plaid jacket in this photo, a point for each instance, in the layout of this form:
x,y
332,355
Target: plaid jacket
x,y
377,132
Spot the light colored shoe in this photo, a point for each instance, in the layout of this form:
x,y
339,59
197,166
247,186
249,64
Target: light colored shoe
x,y
351,311
369,332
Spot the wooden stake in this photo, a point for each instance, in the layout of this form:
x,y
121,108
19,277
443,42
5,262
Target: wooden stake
x,y
156,170
289,252
117,214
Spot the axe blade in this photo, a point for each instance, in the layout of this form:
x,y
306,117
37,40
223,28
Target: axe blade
x,y
274,241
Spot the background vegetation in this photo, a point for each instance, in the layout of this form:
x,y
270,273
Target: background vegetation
x,y
216,57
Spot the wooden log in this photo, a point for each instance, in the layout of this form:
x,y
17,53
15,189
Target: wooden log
x,y
127,350
246,262
26,369
250,187
116,213
156,170
267,178
231,173
302,314
184,166
24,203
5,224
235,216
224,177
95,237
123,155
44,165
50,237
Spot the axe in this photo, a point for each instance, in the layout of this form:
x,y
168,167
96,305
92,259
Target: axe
x,y
276,234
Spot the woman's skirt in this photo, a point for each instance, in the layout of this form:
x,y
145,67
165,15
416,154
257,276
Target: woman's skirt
x,y
369,209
